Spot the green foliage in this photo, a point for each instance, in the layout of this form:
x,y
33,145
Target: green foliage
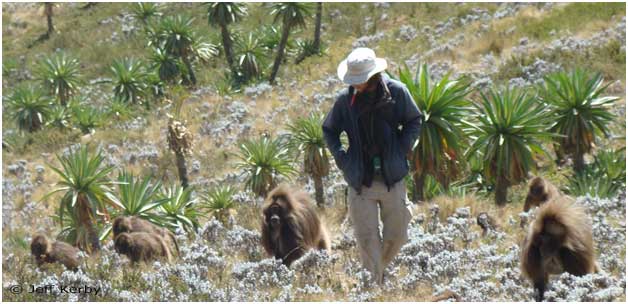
x,y
578,108
250,57
179,208
604,178
432,188
291,14
73,232
87,118
59,118
144,11
227,84
270,38
264,161
156,87
8,65
306,136
223,13
59,74
444,106
130,80
474,177
29,108
166,65
612,163
509,128
203,49
593,182
139,197
306,48
87,193
219,201
177,37
119,109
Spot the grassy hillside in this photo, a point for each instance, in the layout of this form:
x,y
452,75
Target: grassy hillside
x,y
492,44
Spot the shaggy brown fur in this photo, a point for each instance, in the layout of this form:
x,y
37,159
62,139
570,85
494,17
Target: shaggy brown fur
x,y
290,225
56,252
559,240
540,191
142,246
486,222
130,224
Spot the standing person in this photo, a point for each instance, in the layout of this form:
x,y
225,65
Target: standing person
x,y
382,123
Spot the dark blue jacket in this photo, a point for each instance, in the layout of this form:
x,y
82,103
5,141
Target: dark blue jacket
x,y
403,127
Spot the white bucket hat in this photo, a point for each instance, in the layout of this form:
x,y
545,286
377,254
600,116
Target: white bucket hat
x,y
360,65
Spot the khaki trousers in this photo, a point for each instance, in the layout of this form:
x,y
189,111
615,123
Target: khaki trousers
x,y
366,209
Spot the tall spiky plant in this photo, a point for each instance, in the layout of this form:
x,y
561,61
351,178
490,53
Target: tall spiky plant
x,y
221,14
180,141
307,137
604,178
59,74
177,36
144,11
264,161
139,197
580,111
87,118
250,57
510,127
307,48
87,194
438,148
180,208
29,108
219,201
130,80
165,64
292,15
59,118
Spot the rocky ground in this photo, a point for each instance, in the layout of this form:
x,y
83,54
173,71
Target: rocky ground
x,y
224,261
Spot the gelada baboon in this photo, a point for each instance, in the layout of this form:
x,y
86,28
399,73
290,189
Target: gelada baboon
x,y
540,191
142,246
45,251
558,240
130,224
290,225
486,222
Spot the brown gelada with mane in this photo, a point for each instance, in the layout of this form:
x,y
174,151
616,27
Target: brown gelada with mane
x,y
290,225
142,247
559,240
45,251
131,224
